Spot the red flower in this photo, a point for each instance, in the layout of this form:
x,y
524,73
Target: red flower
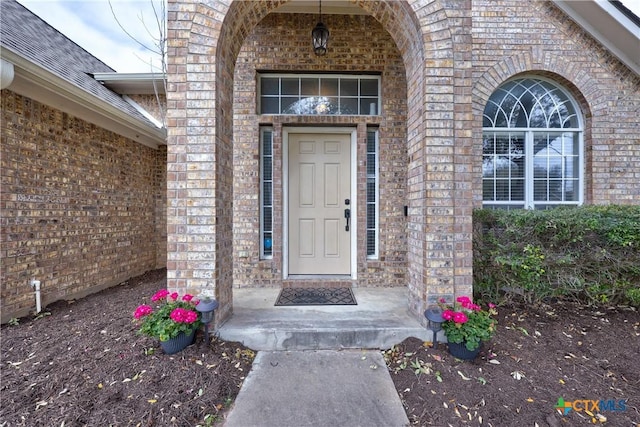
x,y
141,311
161,294
182,315
460,317
463,300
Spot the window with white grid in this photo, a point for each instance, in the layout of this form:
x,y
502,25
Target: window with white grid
x,y
532,147
312,94
372,194
266,192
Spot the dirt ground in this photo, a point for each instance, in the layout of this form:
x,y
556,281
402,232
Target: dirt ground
x,y
81,363
537,356
84,365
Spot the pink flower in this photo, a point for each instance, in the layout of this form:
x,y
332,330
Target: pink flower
x,y
447,315
475,307
174,296
182,315
460,317
492,305
161,294
141,311
187,297
442,301
464,300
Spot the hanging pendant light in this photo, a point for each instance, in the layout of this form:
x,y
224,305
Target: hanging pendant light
x,y
320,36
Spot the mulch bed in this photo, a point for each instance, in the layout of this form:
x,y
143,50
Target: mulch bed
x,y
538,355
82,364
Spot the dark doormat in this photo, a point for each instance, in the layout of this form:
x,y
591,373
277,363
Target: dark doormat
x,y
316,296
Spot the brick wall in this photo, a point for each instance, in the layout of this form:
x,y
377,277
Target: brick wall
x,y
555,47
155,105
454,53
81,208
358,44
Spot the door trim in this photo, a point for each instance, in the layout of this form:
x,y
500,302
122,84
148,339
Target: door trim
x,y
352,131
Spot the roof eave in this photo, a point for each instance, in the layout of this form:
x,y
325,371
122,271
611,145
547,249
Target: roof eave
x,y
133,83
37,83
607,24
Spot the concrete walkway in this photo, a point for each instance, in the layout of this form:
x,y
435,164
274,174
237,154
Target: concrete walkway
x,y
323,388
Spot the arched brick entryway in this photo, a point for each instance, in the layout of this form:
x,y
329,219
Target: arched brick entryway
x,y
204,42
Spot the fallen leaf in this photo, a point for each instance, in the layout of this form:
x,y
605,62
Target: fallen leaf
x,y
494,362
482,381
463,376
152,401
530,400
517,375
561,381
601,418
100,385
445,405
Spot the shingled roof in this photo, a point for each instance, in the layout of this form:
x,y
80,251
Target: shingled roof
x,y
32,39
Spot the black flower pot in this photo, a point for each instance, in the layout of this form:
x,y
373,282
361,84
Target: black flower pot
x,y
179,343
460,351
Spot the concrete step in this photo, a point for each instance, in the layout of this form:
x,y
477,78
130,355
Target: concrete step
x,y
380,320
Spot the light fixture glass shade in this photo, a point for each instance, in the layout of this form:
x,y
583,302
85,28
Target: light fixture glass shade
x,y
320,37
207,307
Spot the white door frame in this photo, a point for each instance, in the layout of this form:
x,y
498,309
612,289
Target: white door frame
x,y
352,131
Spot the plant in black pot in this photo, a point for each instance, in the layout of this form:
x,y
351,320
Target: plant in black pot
x,y
467,325
174,321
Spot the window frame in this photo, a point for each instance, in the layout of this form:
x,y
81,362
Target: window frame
x,y
263,131
376,180
359,97
529,133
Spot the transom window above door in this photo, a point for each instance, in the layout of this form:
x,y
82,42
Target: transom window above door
x,y
319,94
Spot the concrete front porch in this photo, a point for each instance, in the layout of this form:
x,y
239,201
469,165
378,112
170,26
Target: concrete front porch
x,y
380,320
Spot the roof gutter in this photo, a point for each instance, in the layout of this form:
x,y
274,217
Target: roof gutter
x,y
43,86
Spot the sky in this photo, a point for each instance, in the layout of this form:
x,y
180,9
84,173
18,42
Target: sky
x,y
91,24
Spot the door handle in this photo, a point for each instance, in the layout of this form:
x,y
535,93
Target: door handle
x,y
347,216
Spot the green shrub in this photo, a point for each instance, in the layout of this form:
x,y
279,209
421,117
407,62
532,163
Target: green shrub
x,y
590,254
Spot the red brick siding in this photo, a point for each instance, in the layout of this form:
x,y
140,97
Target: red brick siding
x,y
82,208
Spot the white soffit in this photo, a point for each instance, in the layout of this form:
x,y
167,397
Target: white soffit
x,y
133,83
39,84
609,26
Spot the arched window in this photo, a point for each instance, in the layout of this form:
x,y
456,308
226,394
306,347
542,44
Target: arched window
x,y
532,147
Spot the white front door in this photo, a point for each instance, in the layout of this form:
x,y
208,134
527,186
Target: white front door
x,y
319,194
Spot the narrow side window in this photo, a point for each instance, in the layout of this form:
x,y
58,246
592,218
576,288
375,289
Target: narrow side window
x,y
266,193
372,194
